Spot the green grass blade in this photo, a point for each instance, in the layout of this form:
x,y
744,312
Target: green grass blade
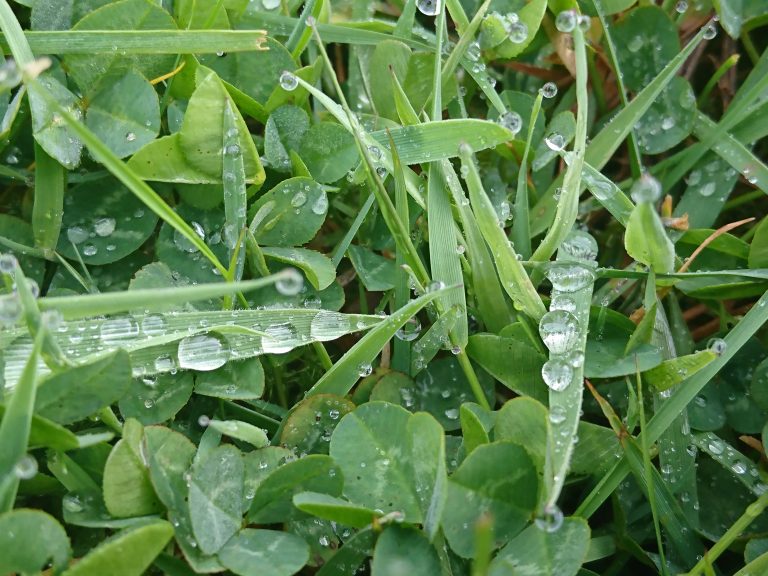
x,y
740,466
346,372
513,276
521,229
16,425
607,193
401,356
565,403
233,178
48,209
568,205
14,37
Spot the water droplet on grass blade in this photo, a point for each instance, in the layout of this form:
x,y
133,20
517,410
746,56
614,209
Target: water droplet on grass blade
x,y
717,345
203,352
183,243
518,32
8,263
26,468
710,31
410,330
549,90
568,277
511,121
580,246
557,374
119,329
550,520
104,227
646,189
555,142
566,21
364,370
559,330
429,7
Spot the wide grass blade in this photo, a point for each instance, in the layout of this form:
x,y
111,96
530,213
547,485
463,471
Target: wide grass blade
x,y
48,209
233,178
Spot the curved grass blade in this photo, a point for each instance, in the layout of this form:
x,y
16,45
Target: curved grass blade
x,y
233,178
48,209
345,373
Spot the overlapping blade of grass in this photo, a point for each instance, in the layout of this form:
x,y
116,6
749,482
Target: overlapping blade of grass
x,y
357,360
565,404
142,41
48,209
513,276
443,245
686,392
740,466
610,137
568,205
233,178
486,287
84,306
401,357
521,228
607,193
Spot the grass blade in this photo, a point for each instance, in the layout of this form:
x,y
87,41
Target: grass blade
x,y
233,178
48,209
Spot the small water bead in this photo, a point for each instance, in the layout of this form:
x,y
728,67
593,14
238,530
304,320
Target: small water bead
x,y
429,7
119,329
559,330
645,189
518,32
26,468
555,142
717,345
288,81
716,446
77,234
511,121
580,246
557,374
452,413
203,352
460,249
667,123
681,7
473,51
8,263
566,21
299,199
149,403
557,414
90,250
635,43
585,22
739,467
505,210
693,178
550,520
456,350
375,153
364,370
410,330
72,503
153,325
104,227
549,90
183,243
708,189
710,31
232,150
290,283
566,277
34,287
575,358
435,286
130,136
203,421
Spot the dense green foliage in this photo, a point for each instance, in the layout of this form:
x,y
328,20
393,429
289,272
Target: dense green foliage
x,y
418,287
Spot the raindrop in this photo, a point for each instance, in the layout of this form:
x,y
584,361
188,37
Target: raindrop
x,y
566,277
550,520
452,414
203,352
364,370
668,123
460,249
646,189
717,345
299,199
232,150
203,421
77,234
149,403
381,171
288,81
518,32
580,246
566,21
584,22
118,329
410,330
681,7
710,31
435,286
563,302
280,338
52,319
375,153
549,90
72,503
290,283
716,446
555,142
456,350
504,212
739,467
328,325
557,414
153,325
700,401
104,227
10,309
511,121
473,51
635,43
8,263
183,243
429,7
708,189
557,374
559,330
320,205
26,468
90,250
130,137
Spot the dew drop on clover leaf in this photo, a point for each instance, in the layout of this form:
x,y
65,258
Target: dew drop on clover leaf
x,y
288,81
90,250
550,520
511,121
717,345
203,352
549,90
291,281
104,227
429,7
410,330
149,403
566,21
77,234
320,205
452,413
26,468
559,330
130,136
299,199
72,503
645,189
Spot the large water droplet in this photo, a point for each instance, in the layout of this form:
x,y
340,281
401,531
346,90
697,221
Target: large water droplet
x,y
429,7
580,246
717,345
77,234
550,520
511,121
566,21
364,370
549,90
288,81
290,283
119,329
328,325
104,227
153,325
559,331
646,189
26,468
567,277
185,245
320,205
280,338
203,352
8,263
410,330
557,374
518,32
